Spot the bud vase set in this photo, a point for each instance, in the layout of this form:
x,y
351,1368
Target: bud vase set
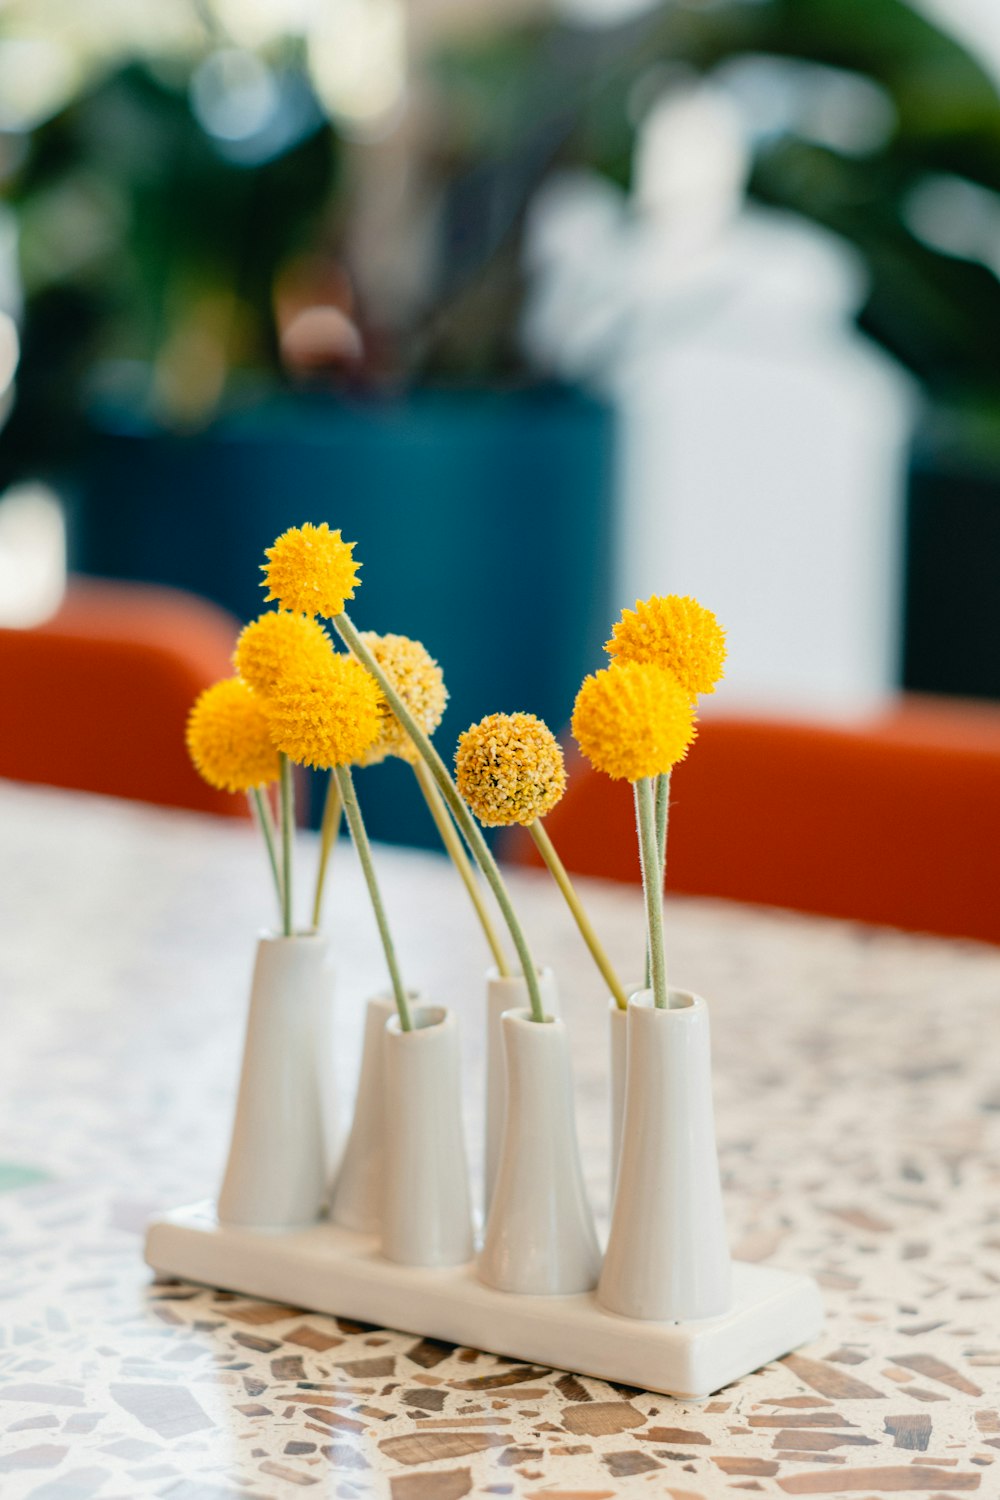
x,y
402,1175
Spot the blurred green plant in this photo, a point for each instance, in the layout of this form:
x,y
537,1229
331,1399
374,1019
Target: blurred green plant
x,y
554,96
150,246
154,227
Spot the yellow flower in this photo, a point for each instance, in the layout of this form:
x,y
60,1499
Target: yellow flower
x,y
633,720
509,769
229,740
672,631
329,715
418,680
311,570
279,644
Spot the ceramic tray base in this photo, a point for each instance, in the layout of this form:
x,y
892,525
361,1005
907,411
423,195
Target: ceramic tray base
x,y
332,1270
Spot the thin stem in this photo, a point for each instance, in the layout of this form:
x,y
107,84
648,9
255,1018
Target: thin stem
x,y
662,814
348,797
330,828
467,824
558,871
287,789
459,858
263,817
646,819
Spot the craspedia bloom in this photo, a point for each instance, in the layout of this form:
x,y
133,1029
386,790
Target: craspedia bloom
x,y
509,769
672,631
328,716
633,720
418,680
229,738
279,644
311,570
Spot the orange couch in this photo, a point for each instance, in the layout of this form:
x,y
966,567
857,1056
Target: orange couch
x,y
894,820
97,697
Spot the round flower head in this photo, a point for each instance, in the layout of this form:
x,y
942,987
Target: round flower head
x,y
509,769
418,680
229,740
633,720
311,570
329,715
279,644
675,632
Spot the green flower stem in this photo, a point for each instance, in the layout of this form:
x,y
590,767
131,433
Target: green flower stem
x,y
349,798
332,809
646,818
287,795
558,871
264,818
456,849
662,813
470,830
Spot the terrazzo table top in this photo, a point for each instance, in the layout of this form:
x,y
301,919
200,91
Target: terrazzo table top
x,y
858,1112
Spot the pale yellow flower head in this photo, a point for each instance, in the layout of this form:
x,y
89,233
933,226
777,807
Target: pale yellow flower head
x,y
311,570
633,720
672,631
329,716
277,645
509,769
418,680
228,738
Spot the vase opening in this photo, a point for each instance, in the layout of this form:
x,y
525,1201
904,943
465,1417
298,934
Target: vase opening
x,y
676,1000
422,1017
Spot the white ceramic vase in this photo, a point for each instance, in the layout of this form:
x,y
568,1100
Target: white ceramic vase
x,y
356,1200
618,1061
540,1237
426,1206
504,993
277,1172
668,1257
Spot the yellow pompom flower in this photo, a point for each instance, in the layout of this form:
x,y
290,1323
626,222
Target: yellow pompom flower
x,y
328,716
279,644
229,739
311,570
675,632
633,720
509,769
419,681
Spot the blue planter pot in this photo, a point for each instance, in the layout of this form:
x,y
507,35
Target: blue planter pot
x,y
483,522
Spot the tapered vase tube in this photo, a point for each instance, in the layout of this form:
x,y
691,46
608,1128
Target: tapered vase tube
x,y
426,1206
667,1257
277,1170
356,1201
503,993
540,1237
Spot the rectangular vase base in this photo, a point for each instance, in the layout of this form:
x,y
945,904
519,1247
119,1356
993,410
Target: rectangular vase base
x,y
332,1270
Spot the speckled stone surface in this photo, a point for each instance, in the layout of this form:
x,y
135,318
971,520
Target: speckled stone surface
x,y
858,1102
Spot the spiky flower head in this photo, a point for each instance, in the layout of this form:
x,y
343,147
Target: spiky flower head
x,y
672,631
311,570
279,644
329,716
509,769
418,680
229,739
633,720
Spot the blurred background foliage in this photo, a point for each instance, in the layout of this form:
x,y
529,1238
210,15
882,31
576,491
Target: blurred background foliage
x,y
258,255
189,161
